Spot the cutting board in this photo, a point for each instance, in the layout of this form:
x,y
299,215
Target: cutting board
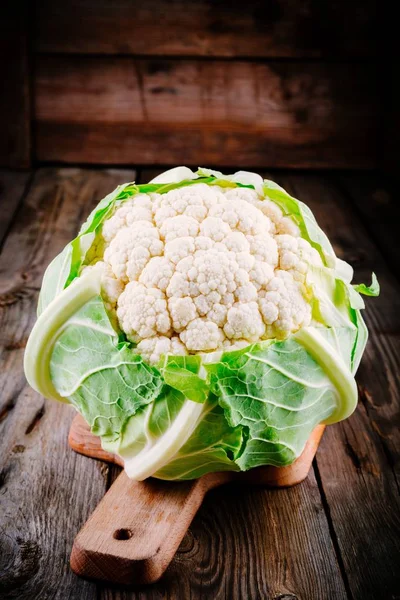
x,y
136,529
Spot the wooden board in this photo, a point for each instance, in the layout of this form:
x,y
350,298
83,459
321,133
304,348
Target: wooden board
x,y
15,125
135,531
121,110
283,28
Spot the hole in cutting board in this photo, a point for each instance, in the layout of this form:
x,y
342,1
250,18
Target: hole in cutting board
x,y
122,534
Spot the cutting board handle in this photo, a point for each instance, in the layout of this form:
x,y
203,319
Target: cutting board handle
x,y
136,529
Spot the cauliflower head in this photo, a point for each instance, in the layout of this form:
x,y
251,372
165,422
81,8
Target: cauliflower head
x,y
201,322
201,268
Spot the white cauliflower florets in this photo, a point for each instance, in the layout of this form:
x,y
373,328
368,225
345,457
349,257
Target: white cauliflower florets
x,y
142,311
244,321
202,268
201,334
283,305
137,209
131,249
153,348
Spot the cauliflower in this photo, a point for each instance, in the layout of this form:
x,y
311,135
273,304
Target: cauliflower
x,y
200,323
202,268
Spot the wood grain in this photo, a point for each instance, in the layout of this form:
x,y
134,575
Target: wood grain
x,y
375,199
283,28
15,117
358,461
135,531
46,492
44,224
81,440
13,184
122,110
251,543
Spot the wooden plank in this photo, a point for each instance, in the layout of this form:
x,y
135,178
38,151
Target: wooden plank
x,y
376,200
15,143
252,543
46,491
206,28
358,461
13,185
122,110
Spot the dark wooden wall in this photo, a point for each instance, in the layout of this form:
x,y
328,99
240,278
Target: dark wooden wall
x,y
15,92
261,83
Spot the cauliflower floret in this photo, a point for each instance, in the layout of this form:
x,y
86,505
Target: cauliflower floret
x,y
179,248
237,242
203,243
284,305
142,312
264,248
202,268
261,274
137,209
177,227
242,193
152,349
157,273
245,260
214,229
270,210
218,313
111,286
231,345
201,335
182,311
244,321
132,248
193,201
295,254
241,216
287,225
279,223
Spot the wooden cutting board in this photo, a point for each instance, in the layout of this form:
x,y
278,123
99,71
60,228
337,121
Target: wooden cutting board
x,y
136,529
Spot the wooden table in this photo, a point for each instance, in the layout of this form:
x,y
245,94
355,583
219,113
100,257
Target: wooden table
x,y
334,536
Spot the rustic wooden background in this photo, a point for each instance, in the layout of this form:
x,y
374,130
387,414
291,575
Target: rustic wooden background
x,y
265,83
259,84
